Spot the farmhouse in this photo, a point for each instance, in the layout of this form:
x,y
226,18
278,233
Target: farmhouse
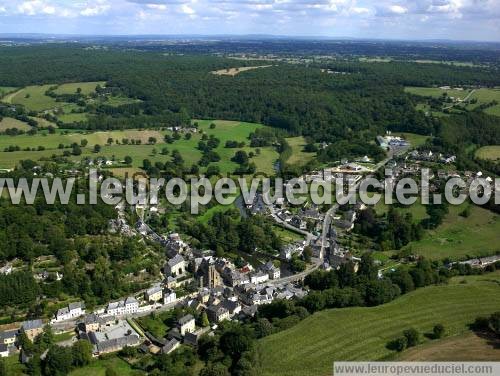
x,y
154,294
32,328
186,324
70,312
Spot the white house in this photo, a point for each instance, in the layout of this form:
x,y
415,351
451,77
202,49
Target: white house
x,y
271,270
186,324
169,296
259,277
123,307
70,312
4,351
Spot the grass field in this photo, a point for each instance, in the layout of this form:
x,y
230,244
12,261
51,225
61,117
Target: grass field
x,y
87,87
362,333
436,92
234,71
33,98
13,123
466,347
415,140
459,238
489,152
225,130
483,96
98,368
299,156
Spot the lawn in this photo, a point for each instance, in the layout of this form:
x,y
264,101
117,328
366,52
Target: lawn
x,y
299,156
13,123
287,236
156,323
415,140
362,333
98,368
87,87
461,238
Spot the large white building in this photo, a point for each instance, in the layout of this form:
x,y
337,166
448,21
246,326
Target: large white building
x,y
72,311
123,307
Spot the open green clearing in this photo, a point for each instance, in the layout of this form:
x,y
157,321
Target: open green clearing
x,y
483,96
33,98
224,130
458,237
362,333
86,87
299,156
415,140
7,123
4,90
489,152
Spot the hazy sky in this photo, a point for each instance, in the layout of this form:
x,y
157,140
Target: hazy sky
x,y
418,19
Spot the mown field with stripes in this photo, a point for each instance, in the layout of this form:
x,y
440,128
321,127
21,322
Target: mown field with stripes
x,y
362,333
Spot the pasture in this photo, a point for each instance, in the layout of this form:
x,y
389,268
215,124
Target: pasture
x,y
482,96
33,98
234,71
299,156
362,333
436,92
4,90
466,347
458,237
7,123
224,130
86,87
491,152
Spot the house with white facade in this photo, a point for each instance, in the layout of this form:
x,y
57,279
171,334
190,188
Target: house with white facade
x,y
72,311
123,307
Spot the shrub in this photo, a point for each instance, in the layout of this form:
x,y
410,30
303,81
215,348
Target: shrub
x,y
438,331
412,336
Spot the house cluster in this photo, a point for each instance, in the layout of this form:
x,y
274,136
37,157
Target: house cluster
x,y
106,334
392,141
72,311
429,156
9,338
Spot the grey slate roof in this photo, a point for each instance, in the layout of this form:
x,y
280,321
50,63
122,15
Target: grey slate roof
x,y
32,324
185,319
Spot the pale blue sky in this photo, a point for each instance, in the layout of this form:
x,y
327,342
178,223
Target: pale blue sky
x,y
404,19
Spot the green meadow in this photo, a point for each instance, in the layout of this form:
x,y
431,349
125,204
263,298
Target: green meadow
x,y
7,123
299,156
71,88
459,237
362,333
491,152
264,158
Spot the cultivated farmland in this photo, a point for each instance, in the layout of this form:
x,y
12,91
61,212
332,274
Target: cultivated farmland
x,y
491,152
362,333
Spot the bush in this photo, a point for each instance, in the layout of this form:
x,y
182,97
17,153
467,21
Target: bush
x,y
438,331
412,336
400,344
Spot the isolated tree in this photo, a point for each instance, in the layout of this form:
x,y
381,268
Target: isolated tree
x,y
110,141
97,148
128,160
413,337
76,150
438,331
152,140
400,343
